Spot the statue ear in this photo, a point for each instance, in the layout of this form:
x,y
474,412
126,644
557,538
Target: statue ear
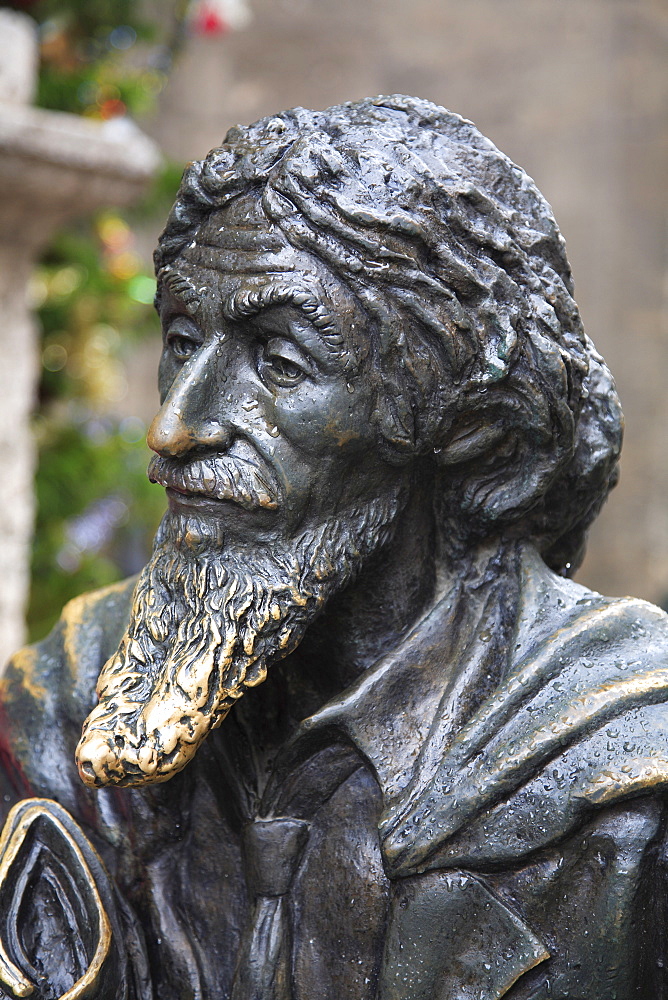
x,y
499,461
469,441
394,417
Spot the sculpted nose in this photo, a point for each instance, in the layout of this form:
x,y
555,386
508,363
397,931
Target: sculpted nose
x,y
187,420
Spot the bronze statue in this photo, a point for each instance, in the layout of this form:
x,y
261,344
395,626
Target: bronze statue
x,y
408,758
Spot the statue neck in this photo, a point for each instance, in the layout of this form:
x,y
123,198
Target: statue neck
x,y
370,616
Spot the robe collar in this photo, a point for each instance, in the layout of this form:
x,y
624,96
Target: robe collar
x,y
463,782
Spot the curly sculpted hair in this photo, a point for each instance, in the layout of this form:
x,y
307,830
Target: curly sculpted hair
x,y
476,342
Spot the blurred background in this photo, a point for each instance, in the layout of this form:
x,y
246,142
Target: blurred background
x,y
576,91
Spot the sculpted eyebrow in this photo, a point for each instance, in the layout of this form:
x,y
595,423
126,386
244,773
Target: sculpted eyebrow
x,y
249,302
180,287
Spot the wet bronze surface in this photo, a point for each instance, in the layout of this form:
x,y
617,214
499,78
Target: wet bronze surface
x,y
353,732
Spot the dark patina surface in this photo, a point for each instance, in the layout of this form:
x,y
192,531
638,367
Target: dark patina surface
x,y
353,732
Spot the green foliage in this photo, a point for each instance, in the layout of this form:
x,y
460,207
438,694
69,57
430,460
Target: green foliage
x,y
96,513
93,20
96,510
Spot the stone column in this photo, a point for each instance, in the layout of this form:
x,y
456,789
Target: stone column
x,y
52,166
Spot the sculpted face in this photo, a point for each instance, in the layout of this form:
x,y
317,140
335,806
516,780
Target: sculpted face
x,y
266,402
277,489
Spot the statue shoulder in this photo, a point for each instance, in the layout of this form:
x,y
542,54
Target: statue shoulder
x,y
553,610
89,629
624,630
579,723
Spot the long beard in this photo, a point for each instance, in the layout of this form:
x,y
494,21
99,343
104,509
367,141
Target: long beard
x,y
204,627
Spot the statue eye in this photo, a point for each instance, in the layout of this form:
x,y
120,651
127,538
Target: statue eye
x,y
280,363
181,346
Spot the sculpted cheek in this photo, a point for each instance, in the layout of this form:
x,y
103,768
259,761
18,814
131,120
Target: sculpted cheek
x,y
321,433
326,423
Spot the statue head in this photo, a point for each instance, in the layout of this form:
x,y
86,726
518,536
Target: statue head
x,y
357,303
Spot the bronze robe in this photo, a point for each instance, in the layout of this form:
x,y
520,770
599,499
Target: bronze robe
x,y
412,841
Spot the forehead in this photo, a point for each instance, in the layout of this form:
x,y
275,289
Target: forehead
x,y
238,248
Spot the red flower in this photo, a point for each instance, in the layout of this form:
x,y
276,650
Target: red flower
x,y
207,20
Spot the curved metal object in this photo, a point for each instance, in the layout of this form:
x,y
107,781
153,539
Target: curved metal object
x,y
20,840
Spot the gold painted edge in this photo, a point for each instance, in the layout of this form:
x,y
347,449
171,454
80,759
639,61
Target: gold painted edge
x,y
522,972
11,839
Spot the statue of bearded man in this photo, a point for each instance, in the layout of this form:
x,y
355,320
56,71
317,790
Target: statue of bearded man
x,y
353,733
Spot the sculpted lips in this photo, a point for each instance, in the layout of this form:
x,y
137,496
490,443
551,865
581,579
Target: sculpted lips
x,y
218,477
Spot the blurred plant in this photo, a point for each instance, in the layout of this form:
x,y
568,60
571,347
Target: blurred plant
x,y
93,291
84,66
88,54
96,510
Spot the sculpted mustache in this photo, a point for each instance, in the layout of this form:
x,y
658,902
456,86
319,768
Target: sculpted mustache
x,y
221,477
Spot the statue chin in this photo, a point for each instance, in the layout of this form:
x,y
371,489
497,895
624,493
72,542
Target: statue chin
x,y
184,660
